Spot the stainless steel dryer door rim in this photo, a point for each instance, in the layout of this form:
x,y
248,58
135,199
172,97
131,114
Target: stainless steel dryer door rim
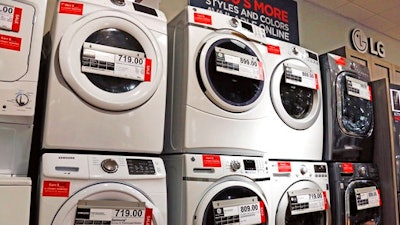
x,y
221,185
203,50
104,191
284,202
70,64
309,117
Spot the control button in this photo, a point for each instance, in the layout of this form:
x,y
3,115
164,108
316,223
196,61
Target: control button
x,y
362,171
22,99
303,170
295,51
234,22
235,165
118,2
109,165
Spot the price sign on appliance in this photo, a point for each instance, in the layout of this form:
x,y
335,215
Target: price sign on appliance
x,y
367,197
299,76
306,201
242,211
358,88
10,18
116,62
236,63
112,212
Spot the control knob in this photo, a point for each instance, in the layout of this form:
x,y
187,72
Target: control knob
x,y
235,165
362,171
303,170
109,165
234,22
22,99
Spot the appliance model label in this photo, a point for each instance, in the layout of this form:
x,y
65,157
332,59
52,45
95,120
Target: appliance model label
x,y
306,201
367,197
72,8
115,62
239,211
113,213
236,63
300,76
10,18
55,188
278,18
358,88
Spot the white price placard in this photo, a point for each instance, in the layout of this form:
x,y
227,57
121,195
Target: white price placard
x,y
306,201
358,88
240,211
239,64
300,76
10,17
112,212
367,197
116,62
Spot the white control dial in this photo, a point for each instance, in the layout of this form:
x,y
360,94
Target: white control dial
x,y
109,165
303,170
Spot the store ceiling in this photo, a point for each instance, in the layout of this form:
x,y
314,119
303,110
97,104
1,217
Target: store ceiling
x,y
379,15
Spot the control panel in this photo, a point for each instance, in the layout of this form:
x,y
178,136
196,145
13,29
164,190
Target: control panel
x,y
18,101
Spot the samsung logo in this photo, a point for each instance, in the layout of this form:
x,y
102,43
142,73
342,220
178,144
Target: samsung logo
x,y
66,157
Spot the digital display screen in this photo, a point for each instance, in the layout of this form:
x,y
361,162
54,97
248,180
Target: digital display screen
x,y
320,168
249,164
312,55
144,9
247,26
140,166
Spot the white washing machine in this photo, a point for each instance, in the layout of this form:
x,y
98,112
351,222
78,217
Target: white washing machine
x,y
21,31
215,84
300,193
217,189
296,95
15,195
102,189
107,77
348,110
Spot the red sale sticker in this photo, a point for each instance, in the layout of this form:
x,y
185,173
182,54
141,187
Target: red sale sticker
x,y
284,167
316,81
347,168
55,188
379,196
260,71
16,22
148,216
326,204
370,92
202,18
341,61
211,161
10,42
262,212
273,49
71,8
147,70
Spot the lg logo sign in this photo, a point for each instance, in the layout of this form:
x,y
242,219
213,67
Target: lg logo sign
x,y
362,43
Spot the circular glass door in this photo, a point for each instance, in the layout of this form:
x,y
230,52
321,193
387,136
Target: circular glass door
x,y
232,202
230,72
104,191
364,203
111,61
354,106
303,202
296,94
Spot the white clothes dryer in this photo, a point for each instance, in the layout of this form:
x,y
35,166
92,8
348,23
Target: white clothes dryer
x,y
217,189
215,84
21,31
107,77
102,189
300,193
295,130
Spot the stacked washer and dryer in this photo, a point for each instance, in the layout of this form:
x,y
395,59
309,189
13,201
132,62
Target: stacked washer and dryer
x,y
21,29
103,122
348,141
231,93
